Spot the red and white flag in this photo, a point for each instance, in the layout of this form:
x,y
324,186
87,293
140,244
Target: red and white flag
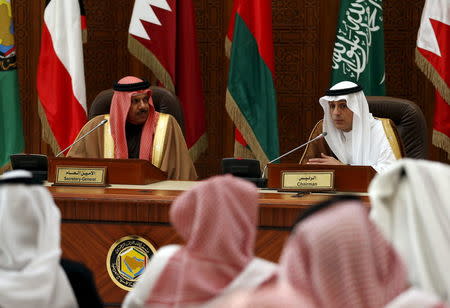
x,y
60,77
433,58
162,36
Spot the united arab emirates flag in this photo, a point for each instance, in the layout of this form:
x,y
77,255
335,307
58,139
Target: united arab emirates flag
x,y
11,132
358,53
251,99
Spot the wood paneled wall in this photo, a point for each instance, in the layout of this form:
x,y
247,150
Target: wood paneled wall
x,y
303,37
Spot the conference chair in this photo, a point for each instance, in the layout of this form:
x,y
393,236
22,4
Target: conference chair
x,y
408,119
164,100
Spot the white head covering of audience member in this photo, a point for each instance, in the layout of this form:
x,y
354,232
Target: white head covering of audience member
x,y
410,203
30,272
364,143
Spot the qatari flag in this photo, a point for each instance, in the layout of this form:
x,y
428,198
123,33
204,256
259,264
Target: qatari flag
x,y
60,77
162,36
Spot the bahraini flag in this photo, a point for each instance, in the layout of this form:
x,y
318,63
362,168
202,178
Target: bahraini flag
x,y
433,58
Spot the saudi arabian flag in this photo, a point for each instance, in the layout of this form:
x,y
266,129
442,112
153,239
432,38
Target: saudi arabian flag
x,y
11,133
251,100
358,53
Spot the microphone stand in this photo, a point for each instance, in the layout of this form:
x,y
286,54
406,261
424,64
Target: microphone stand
x,y
291,151
82,137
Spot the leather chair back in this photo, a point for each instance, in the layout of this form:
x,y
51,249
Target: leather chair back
x,y
408,119
164,100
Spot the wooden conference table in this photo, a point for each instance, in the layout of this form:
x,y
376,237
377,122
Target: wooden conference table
x,y
93,219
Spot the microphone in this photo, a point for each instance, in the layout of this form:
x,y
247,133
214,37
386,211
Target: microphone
x,y
323,134
103,122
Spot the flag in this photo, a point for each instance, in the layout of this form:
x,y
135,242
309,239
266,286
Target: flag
x,y
241,148
358,53
251,97
229,36
433,58
60,77
11,132
162,36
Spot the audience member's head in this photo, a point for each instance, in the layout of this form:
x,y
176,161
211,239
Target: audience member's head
x,y
30,273
410,204
337,256
217,219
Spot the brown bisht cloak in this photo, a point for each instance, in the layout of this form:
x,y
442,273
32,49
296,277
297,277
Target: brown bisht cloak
x,y
169,153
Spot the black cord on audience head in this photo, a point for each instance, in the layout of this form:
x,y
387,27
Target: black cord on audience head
x,y
402,173
22,180
322,205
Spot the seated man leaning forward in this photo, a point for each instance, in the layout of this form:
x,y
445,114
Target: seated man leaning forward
x,y
135,130
354,136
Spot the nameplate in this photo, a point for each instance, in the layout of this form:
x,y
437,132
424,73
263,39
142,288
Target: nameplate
x,y
84,176
307,180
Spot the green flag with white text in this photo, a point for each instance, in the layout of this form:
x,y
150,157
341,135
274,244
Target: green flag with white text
x,y
11,132
358,53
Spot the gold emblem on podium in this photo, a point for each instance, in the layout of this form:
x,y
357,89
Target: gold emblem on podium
x,y
127,259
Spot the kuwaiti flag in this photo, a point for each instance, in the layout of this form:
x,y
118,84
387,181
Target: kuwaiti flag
x,y
162,36
60,77
433,58
251,97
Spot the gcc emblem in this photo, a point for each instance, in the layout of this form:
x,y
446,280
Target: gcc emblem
x,y
127,259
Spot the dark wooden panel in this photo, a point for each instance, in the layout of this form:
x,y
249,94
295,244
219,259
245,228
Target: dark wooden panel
x,y
89,243
118,171
304,33
269,244
94,218
147,206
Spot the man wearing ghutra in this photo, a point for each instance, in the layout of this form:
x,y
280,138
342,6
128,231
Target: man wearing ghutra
x,y
32,273
354,136
135,130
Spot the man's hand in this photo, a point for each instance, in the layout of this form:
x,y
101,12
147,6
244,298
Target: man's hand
x,y
325,160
